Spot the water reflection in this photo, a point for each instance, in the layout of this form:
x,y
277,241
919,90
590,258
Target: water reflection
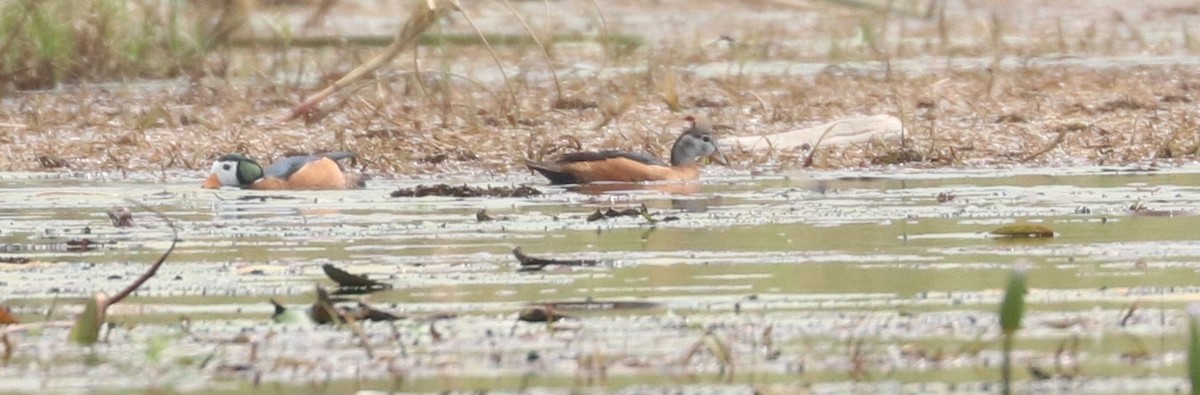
x,y
625,187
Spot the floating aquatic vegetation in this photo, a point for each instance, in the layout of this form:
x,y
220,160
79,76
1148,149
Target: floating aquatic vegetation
x,y
465,191
629,212
1140,209
613,213
1023,231
529,264
81,245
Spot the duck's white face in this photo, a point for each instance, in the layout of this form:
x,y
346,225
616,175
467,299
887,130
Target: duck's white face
x,y
226,172
233,171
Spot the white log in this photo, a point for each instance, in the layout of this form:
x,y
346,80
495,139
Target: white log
x,y
845,131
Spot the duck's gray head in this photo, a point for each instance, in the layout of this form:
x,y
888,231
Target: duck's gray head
x,y
697,141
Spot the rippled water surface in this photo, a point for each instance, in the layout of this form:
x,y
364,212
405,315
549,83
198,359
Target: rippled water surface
x,y
831,282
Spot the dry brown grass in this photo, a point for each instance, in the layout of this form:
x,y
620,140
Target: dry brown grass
x,y
425,117
1038,116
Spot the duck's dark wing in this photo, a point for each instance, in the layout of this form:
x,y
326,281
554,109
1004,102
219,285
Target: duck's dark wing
x,y
285,167
640,157
553,172
574,168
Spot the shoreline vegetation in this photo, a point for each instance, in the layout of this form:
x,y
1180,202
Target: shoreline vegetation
x,y
486,86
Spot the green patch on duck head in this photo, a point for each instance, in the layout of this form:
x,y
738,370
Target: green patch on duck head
x,y
248,171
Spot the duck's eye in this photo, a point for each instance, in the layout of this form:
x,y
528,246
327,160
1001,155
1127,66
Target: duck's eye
x,y
225,166
707,139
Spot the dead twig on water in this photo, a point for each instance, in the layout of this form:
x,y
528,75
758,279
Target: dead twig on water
x,y
86,330
348,280
530,264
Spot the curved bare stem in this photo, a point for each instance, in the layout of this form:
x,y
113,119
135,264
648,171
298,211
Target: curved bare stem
x,y
545,53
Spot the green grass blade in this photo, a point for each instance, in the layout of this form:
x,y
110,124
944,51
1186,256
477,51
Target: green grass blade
x,y
1193,354
1013,307
86,330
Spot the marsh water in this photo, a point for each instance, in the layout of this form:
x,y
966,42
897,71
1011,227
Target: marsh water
x,y
882,281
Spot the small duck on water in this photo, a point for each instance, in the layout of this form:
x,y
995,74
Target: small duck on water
x,y
309,172
696,142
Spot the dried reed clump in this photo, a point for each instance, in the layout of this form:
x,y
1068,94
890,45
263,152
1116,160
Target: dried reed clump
x,y
432,116
415,125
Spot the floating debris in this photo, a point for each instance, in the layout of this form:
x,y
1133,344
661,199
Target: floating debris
x,y
482,216
601,305
611,213
1140,209
531,264
263,198
1023,231
1162,213
347,280
14,260
120,216
325,310
368,313
82,245
322,310
629,212
540,314
465,191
